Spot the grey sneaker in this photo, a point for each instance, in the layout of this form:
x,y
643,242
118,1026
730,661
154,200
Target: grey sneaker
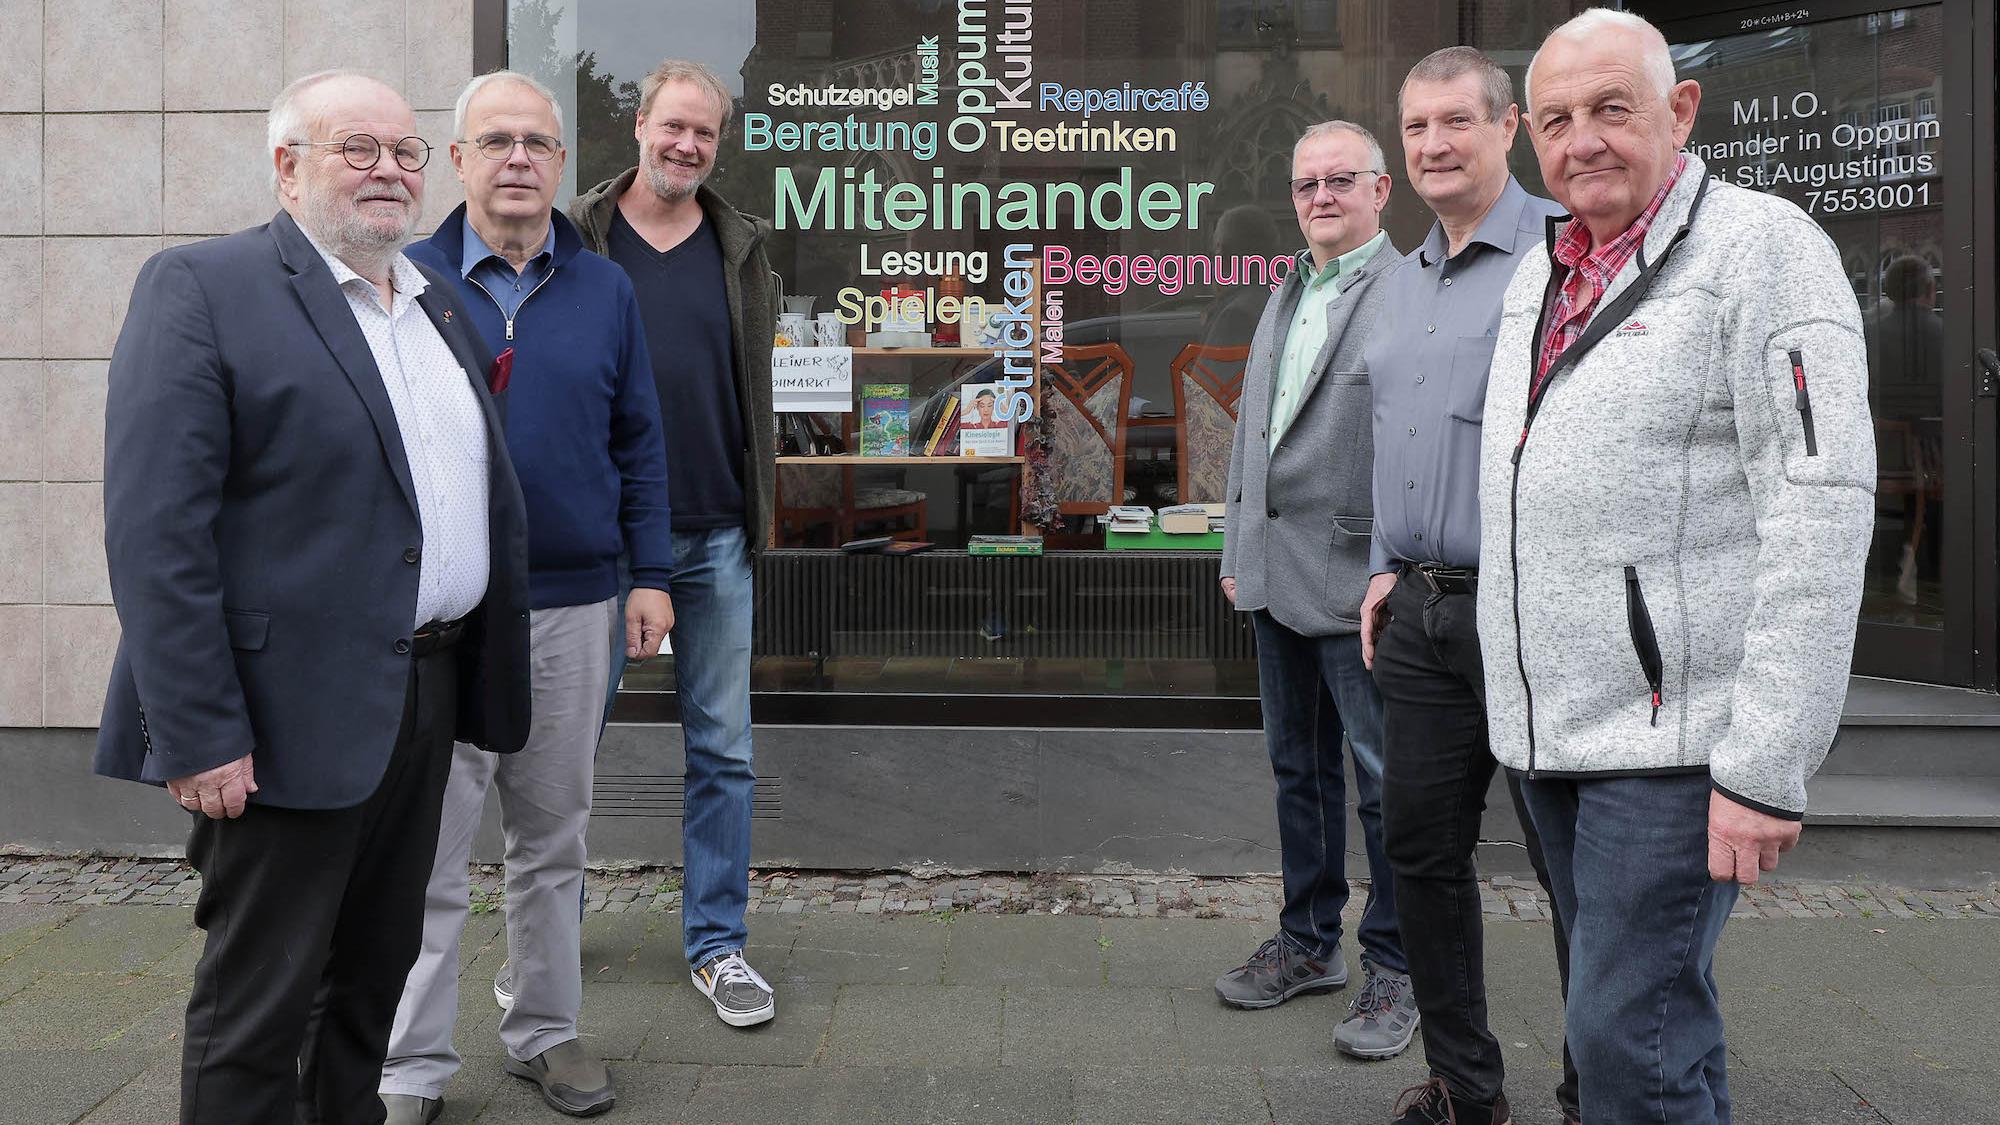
x,y
740,996
408,1109
1275,973
1382,1020
503,986
571,1080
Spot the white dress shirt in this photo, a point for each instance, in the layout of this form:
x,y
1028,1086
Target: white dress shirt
x,y
444,436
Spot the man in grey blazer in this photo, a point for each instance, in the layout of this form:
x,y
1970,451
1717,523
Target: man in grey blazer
x,y
1295,557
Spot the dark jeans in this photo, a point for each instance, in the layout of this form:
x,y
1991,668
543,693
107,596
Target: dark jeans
x,y
1628,858
1435,776
314,917
1314,689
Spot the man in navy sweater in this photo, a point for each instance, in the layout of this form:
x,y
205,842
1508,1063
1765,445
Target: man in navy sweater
x,y
583,427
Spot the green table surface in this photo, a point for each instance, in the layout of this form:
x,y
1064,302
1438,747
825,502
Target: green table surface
x,y
1157,540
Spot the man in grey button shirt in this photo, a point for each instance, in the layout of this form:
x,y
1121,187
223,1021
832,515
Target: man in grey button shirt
x,y
1428,359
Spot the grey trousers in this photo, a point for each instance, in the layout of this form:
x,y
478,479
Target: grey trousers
x,y
544,809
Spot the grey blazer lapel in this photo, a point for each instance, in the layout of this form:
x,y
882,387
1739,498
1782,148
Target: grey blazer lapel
x,y
1339,314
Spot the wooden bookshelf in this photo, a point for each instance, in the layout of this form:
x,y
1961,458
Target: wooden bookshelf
x,y
857,459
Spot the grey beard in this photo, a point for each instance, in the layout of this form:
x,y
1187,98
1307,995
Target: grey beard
x,y
365,248
665,188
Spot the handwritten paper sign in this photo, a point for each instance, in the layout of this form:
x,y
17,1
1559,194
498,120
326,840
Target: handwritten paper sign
x,y
812,380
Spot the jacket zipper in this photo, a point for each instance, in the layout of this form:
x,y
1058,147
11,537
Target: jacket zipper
x,y
1514,514
1644,640
1802,400
517,308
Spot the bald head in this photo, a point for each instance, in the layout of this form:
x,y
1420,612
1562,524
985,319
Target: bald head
x,y
1636,38
1607,118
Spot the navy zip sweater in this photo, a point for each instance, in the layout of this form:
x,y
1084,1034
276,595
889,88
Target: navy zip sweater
x,y
583,419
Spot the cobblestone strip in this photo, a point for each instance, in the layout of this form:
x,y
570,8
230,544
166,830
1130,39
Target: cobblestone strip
x,y
89,882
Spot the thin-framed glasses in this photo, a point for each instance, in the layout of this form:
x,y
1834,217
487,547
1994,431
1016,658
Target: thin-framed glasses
x,y
363,151
499,146
1339,183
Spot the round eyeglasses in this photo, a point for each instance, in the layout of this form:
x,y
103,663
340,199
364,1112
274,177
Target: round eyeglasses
x,y
499,146
1339,183
363,151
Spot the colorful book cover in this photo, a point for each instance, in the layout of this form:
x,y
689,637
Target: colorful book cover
x,y
981,432
885,420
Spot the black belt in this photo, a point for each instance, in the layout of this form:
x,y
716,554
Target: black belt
x,y
1446,579
437,636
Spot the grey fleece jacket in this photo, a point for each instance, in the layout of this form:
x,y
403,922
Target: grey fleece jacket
x,y
1672,545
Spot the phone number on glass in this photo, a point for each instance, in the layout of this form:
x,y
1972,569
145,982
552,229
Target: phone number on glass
x,y
1835,201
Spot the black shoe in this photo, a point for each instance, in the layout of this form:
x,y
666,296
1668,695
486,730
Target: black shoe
x,y
1434,1104
1275,973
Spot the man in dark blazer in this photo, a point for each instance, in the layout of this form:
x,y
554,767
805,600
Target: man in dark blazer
x,y
317,549
1295,557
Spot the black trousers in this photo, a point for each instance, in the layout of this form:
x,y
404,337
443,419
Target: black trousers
x,y
1436,771
314,918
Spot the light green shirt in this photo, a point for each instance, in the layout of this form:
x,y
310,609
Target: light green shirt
x,y
1307,333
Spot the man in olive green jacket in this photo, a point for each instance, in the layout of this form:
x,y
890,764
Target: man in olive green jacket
x,y
709,302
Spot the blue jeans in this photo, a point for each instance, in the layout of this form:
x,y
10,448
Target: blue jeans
x,y
1628,864
713,602
1314,690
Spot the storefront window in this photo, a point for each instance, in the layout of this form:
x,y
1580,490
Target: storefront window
x,y
1841,117
1089,204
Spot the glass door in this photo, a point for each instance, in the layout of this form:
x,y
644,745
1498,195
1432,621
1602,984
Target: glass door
x,y
1860,114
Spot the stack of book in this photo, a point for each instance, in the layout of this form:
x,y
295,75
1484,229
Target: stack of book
x,y
1191,519
1129,519
1003,545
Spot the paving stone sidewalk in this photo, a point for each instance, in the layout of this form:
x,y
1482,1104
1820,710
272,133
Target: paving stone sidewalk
x,y
1020,1001
86,881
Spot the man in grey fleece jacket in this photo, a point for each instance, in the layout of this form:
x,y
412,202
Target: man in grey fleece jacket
x,y
1676,499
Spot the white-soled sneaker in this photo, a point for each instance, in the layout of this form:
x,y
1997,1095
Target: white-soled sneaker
x,y
503,986
741,997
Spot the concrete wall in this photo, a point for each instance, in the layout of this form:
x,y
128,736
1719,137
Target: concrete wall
x,y
127,126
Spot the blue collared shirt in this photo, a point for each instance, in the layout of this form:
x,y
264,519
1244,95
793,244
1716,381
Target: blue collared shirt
x,y
484,267
1427,361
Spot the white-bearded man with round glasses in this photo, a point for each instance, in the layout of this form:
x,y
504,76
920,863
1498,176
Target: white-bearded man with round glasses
x,y
317,550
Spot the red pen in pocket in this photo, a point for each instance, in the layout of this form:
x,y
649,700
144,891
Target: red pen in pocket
x,y
501,373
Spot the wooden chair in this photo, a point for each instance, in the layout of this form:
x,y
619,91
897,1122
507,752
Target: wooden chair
x,y
1208,380
812,496
1089,437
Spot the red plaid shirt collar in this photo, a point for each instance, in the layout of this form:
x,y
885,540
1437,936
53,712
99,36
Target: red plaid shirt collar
x,y
1590,272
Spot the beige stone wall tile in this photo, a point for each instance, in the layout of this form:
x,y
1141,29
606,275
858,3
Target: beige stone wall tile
x,y
21,665
21,56
20,544
87,283
224,54
21,328
217,173
442,191
73,544
20,172
363,35
21,410
101,174
439,57
80,642
73,419
102,55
